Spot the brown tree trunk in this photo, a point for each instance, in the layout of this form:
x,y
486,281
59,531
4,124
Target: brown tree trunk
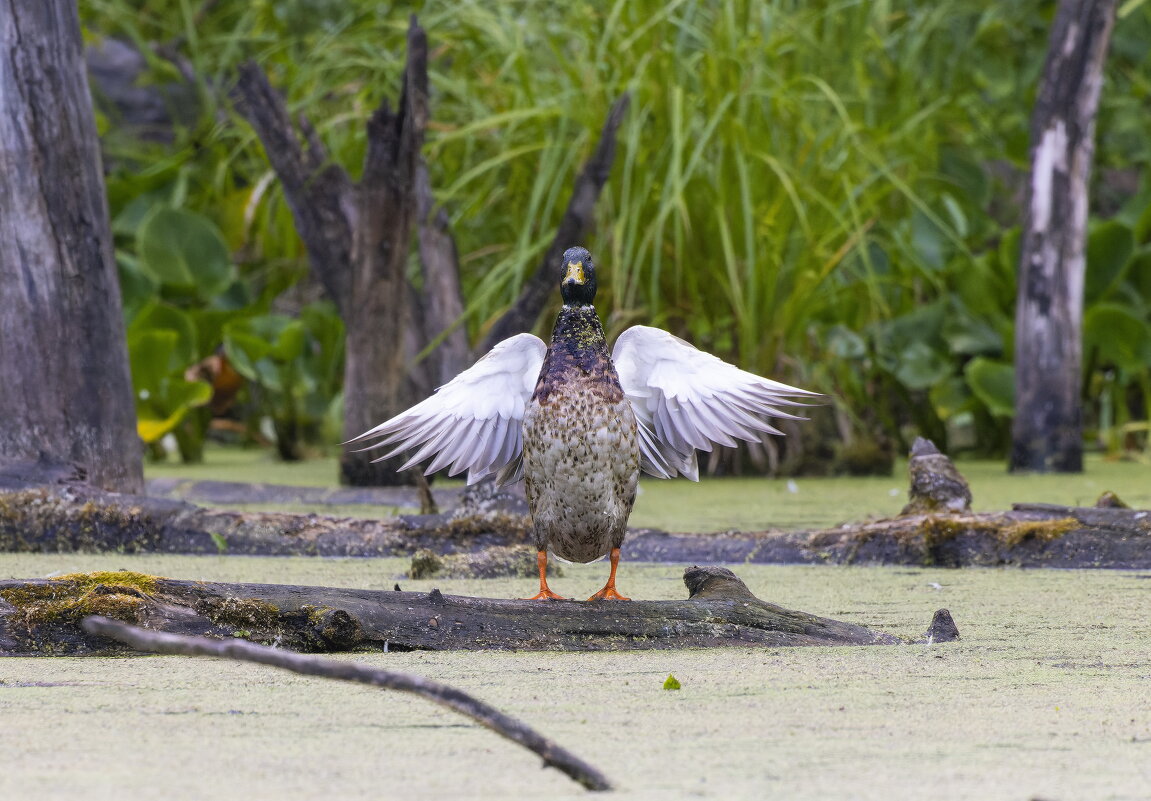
x,y
1047,430
358,237
66,392
441,300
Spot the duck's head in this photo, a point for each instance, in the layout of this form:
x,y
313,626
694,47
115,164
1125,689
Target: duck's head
x,y
577,287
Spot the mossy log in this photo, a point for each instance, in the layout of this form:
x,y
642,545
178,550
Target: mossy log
x,y
42,616
51,518
80,518
44,511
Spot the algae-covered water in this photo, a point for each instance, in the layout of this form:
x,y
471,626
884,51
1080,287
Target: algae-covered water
x,y
1048,694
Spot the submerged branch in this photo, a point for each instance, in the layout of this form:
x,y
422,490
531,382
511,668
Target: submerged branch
x,y
553,755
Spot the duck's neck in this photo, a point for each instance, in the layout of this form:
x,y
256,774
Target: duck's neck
x,y
578,331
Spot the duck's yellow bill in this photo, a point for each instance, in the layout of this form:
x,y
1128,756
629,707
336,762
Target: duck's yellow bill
x,y
575,272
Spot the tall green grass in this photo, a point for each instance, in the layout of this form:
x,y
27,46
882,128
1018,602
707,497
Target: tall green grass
x,y
786,167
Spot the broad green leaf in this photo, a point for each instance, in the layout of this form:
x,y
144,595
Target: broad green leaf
x,y
920,366
159,315
137,287
922,325
969,335
180,397
289,345
1009,247
930,243
244,350
1109,248
967,174
950,397
1143,226
186,251
150,356
1121,336
993,383
843,343
210,328
1139,274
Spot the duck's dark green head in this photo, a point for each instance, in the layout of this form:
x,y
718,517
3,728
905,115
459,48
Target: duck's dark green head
x,y
577,287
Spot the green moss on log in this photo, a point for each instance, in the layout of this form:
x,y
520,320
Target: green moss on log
x,y
241,613
1038,530
117,594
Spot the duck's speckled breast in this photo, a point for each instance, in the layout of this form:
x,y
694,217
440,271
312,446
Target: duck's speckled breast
x,y
581,444
581,466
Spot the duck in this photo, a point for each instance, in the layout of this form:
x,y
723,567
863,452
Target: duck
x,y
579,423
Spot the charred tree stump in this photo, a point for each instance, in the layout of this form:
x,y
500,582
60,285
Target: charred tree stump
x,y
65,392
357,236
1047,431
43,617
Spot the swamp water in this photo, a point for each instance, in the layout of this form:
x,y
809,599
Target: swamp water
x,y
1048,694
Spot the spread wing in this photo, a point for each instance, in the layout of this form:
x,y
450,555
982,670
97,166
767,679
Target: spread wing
x,y
685,399
475,421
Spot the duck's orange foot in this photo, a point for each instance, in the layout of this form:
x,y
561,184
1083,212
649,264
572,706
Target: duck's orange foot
x,y
546,595
608,593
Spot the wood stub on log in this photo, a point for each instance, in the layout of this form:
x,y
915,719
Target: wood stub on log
x,y
553,755
42,617
942,628
1047,430
65,389
538,289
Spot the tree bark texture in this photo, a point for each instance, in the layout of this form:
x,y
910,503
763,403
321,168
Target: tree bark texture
x,y
540,288
1047,430
43,616
65,391
358,238
442,302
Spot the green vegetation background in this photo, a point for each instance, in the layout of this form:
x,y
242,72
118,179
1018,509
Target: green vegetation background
x,y
827,193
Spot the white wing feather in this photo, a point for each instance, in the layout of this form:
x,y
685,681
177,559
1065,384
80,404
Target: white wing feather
x,y
687,400
475,421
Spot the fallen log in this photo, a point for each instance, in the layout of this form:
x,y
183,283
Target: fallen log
x,y
553,755
47,509
78,518
81,518
42,616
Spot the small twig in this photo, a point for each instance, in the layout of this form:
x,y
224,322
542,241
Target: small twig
x,y
552,754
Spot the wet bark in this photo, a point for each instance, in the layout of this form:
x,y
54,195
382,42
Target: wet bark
x,y
65,392
358,236
1047,431
43,616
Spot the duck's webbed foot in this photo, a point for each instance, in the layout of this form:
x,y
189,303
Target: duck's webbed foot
x,y
609,592
545,593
